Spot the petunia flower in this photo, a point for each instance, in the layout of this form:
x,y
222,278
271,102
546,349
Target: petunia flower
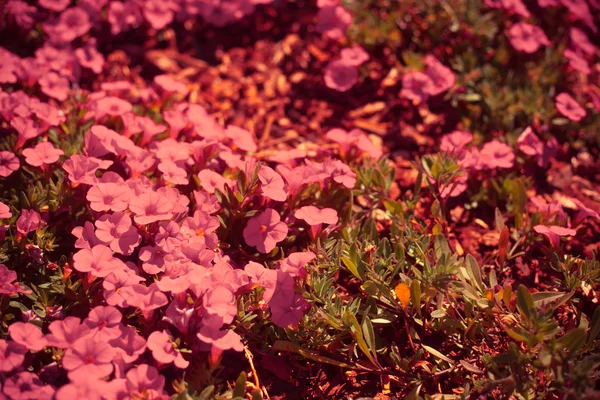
x,y
416,86
54,5
315,217
333,21
576,61
63,333
456,141
28,335
88,358
109,196
98,261
553,233
272,184
241,138
27,385
527,37
354,56
569,107
294,263
55,86
160,344
170,85
104,323
117,232
89,389
287,308
146,298
151,207
497,155
159,13
143,381
206,202
581,41
442,78
210,180
89,57
219,339
12,355
82,169
129,345
43,153
4,211
115,281
112,106
29,221
9,163
265,230
340,76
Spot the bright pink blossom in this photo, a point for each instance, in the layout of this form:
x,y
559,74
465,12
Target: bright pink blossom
x,y
333,21
42,153
569,107
497,155
9,163
104,323
272,184
98,261
527,37
151,207
553,233
265,230
117,232
143,381
88,358
340,76
109,196
26,385
160,344
12,355
82,169
63,333
4,211
442,78
29,221
416,86
354,56
27,335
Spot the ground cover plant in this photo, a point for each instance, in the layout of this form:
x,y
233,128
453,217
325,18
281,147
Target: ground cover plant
x,y
253,199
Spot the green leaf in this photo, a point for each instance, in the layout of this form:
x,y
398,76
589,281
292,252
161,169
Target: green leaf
x,y
594,326
474,272
257,395
415,295
437,354
369,335
207,393
283,345
573,340
356,330
240,386
525,302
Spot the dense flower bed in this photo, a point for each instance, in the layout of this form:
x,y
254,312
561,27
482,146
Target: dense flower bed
x,y
431,227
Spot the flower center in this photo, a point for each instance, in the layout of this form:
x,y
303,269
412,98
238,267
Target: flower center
x,y
88,359
262,229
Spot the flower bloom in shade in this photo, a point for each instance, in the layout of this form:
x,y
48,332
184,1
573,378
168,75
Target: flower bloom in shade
x,y
89,389
55,86
113,106
416,87
89,57
241,138
4,211
9,163
333,21
117,232
88,358
528,143
99,261
29,221
272,184
210,180
294,263
455,141
27,385
151,207
143,381
12,355
109,196
442,78
42,153
354,56
315,217
340,76
27,335
584,212
287,308
82,169
146,298
54,5
104,323
569,107
63,333
220,301
265,230
161,345
553,233
170,85
527,37
498,155
576,61
581,41
220,340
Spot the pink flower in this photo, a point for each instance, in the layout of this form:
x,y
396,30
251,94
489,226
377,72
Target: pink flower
x,y
272,184
82,169
173,174
88,358
581,41
151,207
109,196
527,37
9,163
128,346
206,202
340,76
456,141
416,86
333,21
72,23
117,280
159,13
354,56
294,263
104,323
241,138
528,143
29,221
210,180
89,57
265,230
315,217
442,78
497,155
112,106
42,153
99,261
54,5
220,301
123,15
55,86
146,298
220,340
584,212
553,233
89,389
161,345
4,211
576,61
117,232
143,381
170,85
569,107
27,335
26,385
287,308
12,355
63,333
